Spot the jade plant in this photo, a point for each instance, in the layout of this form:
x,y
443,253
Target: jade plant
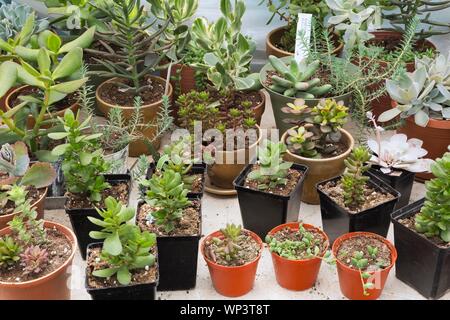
x,y
434,217
296,79
83,164
167,194
321,133
125,247
353,180
15,162
55,77
424,93
272,171
228,51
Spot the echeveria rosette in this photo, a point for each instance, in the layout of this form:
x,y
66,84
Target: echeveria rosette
x,y
397,152
434,217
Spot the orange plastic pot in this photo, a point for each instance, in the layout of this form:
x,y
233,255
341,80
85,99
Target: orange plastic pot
x,y
232,281
296,275
350,279
53,286
39,205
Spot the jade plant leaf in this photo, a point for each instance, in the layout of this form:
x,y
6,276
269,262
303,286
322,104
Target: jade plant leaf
x,y
69,64
112,244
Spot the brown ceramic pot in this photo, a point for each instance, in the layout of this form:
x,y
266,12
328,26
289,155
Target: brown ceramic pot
x,y
186,82
222,174
320,169
275,35
53,286
39,205
31,121
138,147
149,112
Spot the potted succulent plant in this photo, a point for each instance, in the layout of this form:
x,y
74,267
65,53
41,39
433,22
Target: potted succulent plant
x,y
287,80
269,191
20,182
356,201
124,265
422,234
177,221
35,258
232,255
363,261
84,170
177,157
48,90
281,41
422,99
320,144
396,160
127,72
297,252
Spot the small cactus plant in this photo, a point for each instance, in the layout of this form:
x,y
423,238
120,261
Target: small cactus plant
x,y
296,79
353,179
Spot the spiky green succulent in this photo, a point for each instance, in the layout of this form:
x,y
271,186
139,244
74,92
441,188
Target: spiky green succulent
x,y
353,180
9,251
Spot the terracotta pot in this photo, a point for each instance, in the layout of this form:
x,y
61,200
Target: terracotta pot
x,y
186,82
149,112
275,35
3,99
350,279
138,147
297,275
383,102
31,120
232,281
320,169
222,174
53,286
39,205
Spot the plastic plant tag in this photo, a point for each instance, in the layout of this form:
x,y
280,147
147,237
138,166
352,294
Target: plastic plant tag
x,y
303,40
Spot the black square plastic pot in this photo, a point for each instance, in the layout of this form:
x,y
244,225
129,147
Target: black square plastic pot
x,y
81,224
338,221
262,211
177,259
144,291
196,169
421,263
402,183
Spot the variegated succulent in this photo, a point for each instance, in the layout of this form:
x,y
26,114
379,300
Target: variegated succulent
x,y
423,93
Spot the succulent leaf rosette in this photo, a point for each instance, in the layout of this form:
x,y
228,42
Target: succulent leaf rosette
x,y
399,152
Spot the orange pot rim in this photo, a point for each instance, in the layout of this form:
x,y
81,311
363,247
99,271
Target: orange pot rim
x,y
337,242
18,89
151,105
68,233
318,161
33,205
432,123
219,266
292,225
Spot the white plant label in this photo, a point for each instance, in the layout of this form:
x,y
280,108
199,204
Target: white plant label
x,y
303,40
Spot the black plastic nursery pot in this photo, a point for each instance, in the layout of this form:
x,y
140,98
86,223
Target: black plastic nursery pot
x,y
199,168
402,183
81,224
421,263
338,221
177,259
262,211
144,291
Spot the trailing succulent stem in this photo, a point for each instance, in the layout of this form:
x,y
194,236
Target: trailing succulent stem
x,y
353,180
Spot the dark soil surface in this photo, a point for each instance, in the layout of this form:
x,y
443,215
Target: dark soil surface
x,y
59,250
65,103
288,234
33,194
410,224
282,190
391,45
373,197
249,251
188,225
118,191
359,244
94,262
113,94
